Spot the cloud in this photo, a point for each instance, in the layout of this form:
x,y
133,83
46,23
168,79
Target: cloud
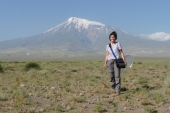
x,y
159,36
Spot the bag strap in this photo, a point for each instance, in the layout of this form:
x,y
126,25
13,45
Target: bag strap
x,y
112,50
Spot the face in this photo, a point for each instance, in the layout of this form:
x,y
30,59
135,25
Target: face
x,y
112,38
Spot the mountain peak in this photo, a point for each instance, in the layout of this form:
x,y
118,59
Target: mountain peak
x,y
73,18
78,23
83,22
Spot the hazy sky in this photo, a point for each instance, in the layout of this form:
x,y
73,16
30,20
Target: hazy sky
x,y
22,18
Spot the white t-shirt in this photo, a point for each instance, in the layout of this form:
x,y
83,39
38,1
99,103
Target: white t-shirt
x,y
116,49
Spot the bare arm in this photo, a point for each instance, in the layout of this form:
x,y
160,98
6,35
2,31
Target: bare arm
x,y
122,55
106,59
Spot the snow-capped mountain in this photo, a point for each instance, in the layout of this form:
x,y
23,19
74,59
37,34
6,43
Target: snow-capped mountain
x,y
86,31
77,23
78,37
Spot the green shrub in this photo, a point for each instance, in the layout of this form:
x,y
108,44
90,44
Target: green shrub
x,y
3,97
59,107
150,109
31,65
143,80
139,62
1,69
98,108
79,99
74,70
158,97
146,102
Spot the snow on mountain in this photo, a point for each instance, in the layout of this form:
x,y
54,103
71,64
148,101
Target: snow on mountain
x,y
78,23
83,23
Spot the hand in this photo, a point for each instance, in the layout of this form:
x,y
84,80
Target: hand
x,y
125,62
105,66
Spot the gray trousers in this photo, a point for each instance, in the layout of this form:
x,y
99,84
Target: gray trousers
x,y
115,78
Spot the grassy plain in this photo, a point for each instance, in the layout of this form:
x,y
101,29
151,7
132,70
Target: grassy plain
x,y
83,87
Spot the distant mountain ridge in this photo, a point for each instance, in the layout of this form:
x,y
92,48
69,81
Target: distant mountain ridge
x,y
79,37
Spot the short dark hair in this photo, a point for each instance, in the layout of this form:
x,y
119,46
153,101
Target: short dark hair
x,y
114,34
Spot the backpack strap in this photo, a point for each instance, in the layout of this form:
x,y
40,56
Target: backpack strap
x,y
112,50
